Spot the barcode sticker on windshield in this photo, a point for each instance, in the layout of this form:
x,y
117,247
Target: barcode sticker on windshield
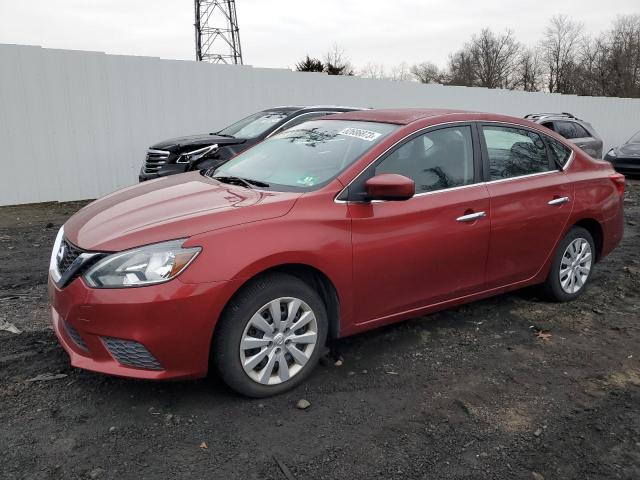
x,y
360,133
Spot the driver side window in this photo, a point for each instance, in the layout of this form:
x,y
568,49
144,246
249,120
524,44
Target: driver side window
x,y
435,160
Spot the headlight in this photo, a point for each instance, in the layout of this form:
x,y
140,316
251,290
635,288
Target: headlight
x,y
194,155
55,253
141,266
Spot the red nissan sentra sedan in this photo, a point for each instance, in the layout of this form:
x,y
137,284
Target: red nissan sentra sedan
x,y
332,228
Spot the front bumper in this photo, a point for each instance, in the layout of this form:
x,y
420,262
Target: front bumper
x,y
629,165
165,330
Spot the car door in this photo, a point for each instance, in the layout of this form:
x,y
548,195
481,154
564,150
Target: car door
x,y
531,199
432,247
577,134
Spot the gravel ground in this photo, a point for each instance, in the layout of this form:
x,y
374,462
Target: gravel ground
x,y
467,393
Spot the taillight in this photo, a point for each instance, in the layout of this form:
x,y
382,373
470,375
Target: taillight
x,y
618,181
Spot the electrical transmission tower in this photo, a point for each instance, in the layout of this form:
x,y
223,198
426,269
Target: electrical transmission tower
x,y
217,32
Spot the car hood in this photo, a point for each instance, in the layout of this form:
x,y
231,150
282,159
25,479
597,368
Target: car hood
x,y
169,208
632,149
182,144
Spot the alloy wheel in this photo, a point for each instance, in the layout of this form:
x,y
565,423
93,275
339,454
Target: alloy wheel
x,y
278,340
575,265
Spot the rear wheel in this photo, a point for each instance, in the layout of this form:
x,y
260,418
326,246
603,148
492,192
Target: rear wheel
x,y
271,336
571,267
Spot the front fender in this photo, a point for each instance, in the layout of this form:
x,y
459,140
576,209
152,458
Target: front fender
x,y
309,236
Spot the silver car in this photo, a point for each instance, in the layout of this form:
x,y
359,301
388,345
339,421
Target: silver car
x,y
581,133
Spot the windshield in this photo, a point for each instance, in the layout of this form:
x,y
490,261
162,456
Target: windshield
x,y
635,138
254,125
306,156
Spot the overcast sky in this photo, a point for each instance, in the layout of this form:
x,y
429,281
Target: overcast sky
x,y
278,33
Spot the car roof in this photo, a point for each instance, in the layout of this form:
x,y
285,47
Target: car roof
x,y
398,116
313,108
283,109
537,117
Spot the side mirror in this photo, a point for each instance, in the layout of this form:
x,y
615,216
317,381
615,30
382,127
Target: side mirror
x,y
390,186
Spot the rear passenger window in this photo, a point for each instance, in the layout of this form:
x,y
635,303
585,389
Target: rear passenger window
x,y
565,129
436,160
571,130
581,132
559,152
514,152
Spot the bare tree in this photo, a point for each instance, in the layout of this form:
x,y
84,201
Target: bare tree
x,y
461,69
488,60
625,56
427,72
400,72
559,48
564,61
335,62
609,65
495,58
594,67
373,70
529,74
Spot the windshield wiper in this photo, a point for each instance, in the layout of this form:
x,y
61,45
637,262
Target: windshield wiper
x,y
222,134
233,180
257,183
245,182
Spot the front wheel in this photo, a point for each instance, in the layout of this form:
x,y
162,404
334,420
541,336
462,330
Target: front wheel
x,y
571,267
271,336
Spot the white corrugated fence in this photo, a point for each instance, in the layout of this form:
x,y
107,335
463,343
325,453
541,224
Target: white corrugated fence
x,y
75,125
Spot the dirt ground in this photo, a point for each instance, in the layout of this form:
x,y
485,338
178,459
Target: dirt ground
x,y
463,394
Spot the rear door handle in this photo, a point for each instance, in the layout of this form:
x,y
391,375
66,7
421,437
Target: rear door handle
x,y
471,217
558,201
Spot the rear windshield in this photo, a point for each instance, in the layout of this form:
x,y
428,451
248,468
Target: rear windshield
x,y
307,156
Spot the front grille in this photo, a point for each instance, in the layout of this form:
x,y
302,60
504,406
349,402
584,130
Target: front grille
x,y
154,160
71,264
131,354
75,336
67,255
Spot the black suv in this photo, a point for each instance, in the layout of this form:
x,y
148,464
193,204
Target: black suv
x,y
573,129
200,152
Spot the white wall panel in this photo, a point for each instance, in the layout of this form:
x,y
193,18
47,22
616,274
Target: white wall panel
x,y
75,125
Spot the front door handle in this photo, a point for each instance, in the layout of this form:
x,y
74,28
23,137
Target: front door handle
x,y
558,201
471,217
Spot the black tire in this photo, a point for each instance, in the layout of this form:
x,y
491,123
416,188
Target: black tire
x,y
236,316
551,288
